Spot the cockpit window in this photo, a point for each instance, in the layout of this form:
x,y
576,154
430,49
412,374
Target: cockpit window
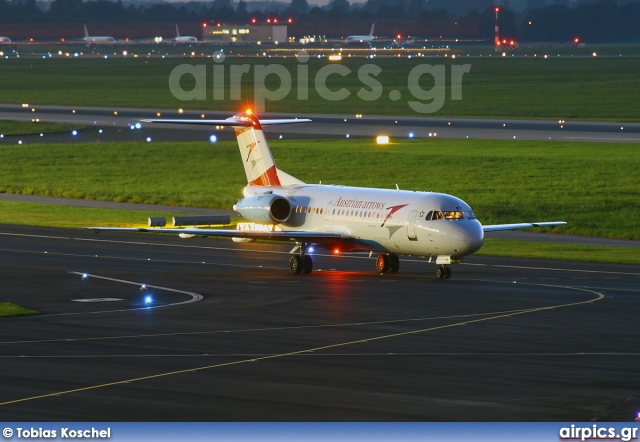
x,y
450,215
453,215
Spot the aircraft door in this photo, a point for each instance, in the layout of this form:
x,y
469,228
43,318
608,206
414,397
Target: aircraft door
x,y
411,225
327,212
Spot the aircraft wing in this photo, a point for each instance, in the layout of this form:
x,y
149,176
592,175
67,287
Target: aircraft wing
x,y
498,227
313,237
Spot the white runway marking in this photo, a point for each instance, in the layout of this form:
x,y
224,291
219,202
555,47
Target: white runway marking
x,y
98,300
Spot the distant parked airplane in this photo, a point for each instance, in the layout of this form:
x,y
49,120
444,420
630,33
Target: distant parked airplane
x,y
340,218
91,41
5,41
361,38
184,40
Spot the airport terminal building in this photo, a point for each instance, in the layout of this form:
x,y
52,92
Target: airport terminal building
x,y
249,33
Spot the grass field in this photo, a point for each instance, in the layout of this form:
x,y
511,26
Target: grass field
x,y
9,310
592,186
51,215
596,88
565,252
31,127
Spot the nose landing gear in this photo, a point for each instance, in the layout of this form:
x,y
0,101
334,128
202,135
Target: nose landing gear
x,y
443,272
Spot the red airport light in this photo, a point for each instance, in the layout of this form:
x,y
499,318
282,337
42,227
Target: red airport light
x,y
497,9
512,43
268,20
398,36
219,24
290,20
576,40
204,25
275,20
253,20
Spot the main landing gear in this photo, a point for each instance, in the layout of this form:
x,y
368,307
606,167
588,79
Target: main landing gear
x,y
443,272
387,263
301,263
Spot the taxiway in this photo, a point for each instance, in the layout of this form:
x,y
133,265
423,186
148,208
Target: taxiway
x,y
231,335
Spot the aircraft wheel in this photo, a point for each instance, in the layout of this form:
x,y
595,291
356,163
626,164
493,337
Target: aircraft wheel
x,y
295,264
394,263
307,264
443,272
382,264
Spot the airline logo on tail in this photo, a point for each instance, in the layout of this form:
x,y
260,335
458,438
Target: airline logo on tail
x,y
251,147
259,165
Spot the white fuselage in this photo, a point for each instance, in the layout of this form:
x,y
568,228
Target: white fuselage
x,y
186,40
5,40
383,220
359,39
99,40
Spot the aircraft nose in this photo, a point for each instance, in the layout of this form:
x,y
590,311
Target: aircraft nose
x,y
471,238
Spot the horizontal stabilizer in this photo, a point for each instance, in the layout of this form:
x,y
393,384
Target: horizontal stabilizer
x,y
499,227
231,122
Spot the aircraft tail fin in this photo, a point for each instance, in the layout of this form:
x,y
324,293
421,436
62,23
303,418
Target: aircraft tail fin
x,y
259,166
177,31
373,25
258,162
86,33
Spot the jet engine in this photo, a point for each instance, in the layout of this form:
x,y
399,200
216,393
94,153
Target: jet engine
x,y
267,208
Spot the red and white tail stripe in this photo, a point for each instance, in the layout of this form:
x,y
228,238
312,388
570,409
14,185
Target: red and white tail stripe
x,y
256,155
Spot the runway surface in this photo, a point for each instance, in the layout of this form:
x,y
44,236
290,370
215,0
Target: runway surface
x,y
105,124
232,336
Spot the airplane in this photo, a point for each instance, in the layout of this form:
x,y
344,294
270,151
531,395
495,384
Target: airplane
x,y
351,39
389,222
91,41
5,41
184,39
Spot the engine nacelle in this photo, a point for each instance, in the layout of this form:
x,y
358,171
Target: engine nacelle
x,y
268,208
